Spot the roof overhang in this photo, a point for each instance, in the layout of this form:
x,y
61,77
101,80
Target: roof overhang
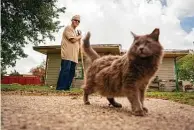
x,y
104,48
175,53
48,49
108,49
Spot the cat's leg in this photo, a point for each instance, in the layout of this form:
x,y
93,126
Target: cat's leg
x,y
142,97
86,100
136,104
87,92
113,102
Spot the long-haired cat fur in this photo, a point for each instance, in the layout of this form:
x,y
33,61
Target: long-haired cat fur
x,y
124,76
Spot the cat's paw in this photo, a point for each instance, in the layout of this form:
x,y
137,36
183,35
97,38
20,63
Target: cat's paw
x,y
139,113
118,105
87,103
145,109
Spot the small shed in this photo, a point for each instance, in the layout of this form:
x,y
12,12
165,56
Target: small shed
x,y
167,70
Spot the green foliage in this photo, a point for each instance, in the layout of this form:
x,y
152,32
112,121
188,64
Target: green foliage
x,y
24,22
18,87
186,68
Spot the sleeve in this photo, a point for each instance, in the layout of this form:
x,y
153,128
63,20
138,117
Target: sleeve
x,y
68,33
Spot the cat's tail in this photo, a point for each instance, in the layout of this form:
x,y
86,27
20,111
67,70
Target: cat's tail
x,y
89,51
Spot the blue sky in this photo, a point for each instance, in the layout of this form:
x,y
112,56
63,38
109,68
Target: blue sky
x,y
187,24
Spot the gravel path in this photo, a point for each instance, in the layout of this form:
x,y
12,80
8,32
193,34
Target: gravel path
x,y
69,113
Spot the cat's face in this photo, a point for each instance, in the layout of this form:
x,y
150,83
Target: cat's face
x,y
147,45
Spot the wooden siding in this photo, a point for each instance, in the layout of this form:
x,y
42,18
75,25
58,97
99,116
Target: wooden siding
x,y
166,70
53,67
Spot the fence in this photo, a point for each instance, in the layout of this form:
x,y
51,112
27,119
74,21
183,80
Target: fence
x,y
35,80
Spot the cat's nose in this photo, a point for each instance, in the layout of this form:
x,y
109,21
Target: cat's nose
x,y
141,49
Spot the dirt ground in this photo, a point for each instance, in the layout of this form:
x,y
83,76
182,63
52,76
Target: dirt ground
x,y
69,113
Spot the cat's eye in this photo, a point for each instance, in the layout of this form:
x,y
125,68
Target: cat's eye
x,y
137,43
147,42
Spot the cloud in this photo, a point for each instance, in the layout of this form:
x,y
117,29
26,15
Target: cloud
x,y
180,8
190,38
110,22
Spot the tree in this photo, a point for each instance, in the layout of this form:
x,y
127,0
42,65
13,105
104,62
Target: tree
x,y
186,68
24,22
39,70
14,73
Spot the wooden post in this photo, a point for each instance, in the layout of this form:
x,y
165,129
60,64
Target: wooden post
x,y
176,75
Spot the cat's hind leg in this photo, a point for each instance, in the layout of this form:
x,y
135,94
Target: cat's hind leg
x,y
114,103
87,92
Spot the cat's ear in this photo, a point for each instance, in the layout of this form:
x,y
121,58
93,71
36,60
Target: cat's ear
x,y
155,34
134,35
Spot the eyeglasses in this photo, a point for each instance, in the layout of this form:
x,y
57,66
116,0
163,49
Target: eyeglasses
x,y
76,20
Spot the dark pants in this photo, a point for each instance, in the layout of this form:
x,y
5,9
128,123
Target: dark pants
x,y
66,75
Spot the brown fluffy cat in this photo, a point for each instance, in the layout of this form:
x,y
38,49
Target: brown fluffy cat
x,y
127,75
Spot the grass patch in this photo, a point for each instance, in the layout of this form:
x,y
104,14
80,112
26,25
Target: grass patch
x,y
181,97
36,90
14,87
